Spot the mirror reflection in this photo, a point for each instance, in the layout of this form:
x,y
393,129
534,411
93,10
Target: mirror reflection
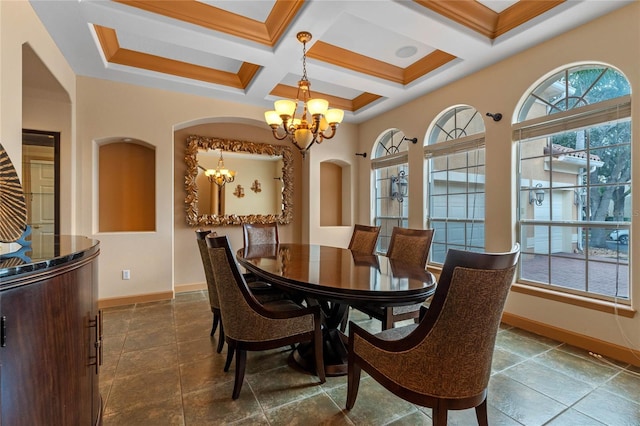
x,y
213,200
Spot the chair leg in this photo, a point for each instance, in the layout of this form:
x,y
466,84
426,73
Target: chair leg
x,y
481,414
216,319
353,383
318,354
388,319
345,321
439,414
241,362
230,350
220,338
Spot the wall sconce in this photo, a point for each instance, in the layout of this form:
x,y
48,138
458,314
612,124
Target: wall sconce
x,y
580,197
256,187
239,192
399,186
536,196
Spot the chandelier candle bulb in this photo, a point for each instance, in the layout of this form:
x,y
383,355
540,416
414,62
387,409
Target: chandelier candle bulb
x,y
334,115
272,117
285,107
317,106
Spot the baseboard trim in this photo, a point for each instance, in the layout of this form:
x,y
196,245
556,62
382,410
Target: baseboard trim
x,y
184,288
606,349
130,300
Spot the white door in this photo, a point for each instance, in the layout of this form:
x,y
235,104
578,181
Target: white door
x,y
42,207
542,232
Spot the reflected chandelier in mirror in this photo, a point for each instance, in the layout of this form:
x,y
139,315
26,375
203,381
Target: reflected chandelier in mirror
x,y
198,144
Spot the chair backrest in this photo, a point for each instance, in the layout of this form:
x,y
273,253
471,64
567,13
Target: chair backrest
x,y
201,235
364,239
456,337
237,305
410,245
260,233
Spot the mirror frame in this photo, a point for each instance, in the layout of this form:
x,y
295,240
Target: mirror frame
x,y
195,143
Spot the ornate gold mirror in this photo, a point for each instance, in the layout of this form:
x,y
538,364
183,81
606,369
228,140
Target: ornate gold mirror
x,y
208,203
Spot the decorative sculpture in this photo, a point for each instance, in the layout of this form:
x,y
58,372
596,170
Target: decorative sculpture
x,y
13,209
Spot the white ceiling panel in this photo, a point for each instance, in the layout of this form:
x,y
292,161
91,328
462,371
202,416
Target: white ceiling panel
x,y
269,54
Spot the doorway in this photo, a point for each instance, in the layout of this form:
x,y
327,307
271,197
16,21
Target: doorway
x,y
41,185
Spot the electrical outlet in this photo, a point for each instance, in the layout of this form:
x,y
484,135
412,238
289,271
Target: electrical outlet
x,y
126,274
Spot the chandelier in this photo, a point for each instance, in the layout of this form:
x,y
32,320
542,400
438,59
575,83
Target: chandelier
x,y
316,117
220,175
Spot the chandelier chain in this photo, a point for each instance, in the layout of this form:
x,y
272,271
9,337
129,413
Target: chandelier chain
x,y
304,61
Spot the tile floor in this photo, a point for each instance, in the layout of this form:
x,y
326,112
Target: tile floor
x,y
160,368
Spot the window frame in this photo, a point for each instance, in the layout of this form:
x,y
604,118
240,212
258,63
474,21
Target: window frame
x,y
389,153
586,118
473,144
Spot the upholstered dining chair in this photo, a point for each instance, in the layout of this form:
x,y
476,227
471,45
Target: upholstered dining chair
x,y
363,242
444,361
254,234
260,233
364,239
263,291
408,246
211,285
252,326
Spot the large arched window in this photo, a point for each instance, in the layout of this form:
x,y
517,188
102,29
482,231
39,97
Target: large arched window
x,y
456,183
574,147
391,175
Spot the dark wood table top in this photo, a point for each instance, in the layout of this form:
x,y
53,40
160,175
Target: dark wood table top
x,y
338,275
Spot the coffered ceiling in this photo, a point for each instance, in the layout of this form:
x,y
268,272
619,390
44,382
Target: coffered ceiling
x,y
366,56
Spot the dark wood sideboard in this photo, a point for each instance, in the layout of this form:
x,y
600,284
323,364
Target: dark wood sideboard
x,y
50,336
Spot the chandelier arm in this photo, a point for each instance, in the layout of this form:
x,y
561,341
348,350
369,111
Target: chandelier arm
x,y
277,136
332,134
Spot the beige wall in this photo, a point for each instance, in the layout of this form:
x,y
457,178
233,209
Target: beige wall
x,y
162,260
19,25
613,39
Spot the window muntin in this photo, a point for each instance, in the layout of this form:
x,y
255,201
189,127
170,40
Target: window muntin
x,y
572,88
391,172
456,182
575,183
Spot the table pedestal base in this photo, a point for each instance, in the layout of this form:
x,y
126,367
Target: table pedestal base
x,y
334,351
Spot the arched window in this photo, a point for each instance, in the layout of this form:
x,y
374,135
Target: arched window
x,y
456,181
391,187
574,147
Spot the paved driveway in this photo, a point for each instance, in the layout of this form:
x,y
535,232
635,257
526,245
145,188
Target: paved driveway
x,y
604,275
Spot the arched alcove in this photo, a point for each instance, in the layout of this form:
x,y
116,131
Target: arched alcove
x,y
330,194
126,186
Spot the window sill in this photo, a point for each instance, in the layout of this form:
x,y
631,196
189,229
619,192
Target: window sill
x,y
584,302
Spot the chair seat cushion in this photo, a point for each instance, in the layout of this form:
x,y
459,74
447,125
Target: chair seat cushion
x,y
397,310
265,292
379,312
396,333
257,286
281,305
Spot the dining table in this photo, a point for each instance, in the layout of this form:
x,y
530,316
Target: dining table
x,y
335,278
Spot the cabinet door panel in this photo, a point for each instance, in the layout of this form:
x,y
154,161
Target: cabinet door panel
x,y
46,374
